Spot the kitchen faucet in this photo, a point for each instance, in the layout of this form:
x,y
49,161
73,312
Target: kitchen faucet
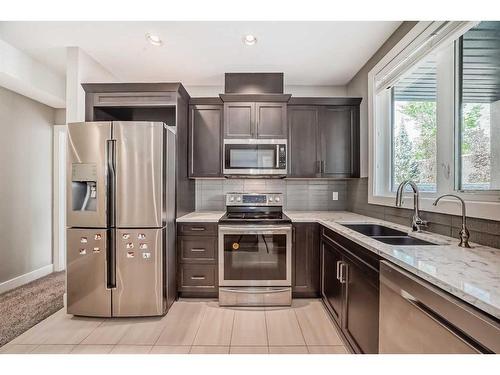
x,y
464,232
416,222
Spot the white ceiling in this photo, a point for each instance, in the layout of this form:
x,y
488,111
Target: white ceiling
x,y
198,53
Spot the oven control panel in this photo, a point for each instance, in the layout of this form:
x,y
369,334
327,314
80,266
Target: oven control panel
x,y
254,199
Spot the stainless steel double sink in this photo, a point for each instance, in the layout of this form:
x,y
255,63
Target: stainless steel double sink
x,y
387,235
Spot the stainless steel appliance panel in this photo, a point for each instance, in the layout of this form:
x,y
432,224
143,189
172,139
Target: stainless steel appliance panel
x,y
255,157
139,273
139,174
418,318
262,296
87,174
255,258
168,215
87,292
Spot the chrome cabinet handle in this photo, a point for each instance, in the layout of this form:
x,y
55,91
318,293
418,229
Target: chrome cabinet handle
x,y
198,250
339,262
343,277
198,228
197,277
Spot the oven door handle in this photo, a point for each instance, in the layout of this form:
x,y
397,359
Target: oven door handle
x,y
257,291
254,229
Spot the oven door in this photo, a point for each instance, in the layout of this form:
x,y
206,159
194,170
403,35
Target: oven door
x,y
255,157
255,255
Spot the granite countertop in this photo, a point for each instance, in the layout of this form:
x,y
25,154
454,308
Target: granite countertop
x,y
472,275
201,217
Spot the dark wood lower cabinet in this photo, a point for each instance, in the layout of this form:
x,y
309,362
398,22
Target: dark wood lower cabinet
x,y
305,260
197,273
362,305
350,290
332,291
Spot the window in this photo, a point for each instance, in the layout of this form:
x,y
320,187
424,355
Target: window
x,y
434,117
414,127
479,82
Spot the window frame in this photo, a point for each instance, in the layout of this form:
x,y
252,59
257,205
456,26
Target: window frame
x,y
458,128
424,38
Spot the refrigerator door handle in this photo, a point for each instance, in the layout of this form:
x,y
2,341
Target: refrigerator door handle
x,y
111,180
111,261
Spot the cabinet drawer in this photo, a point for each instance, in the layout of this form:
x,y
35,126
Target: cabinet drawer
x,y
198,275
197,248
198,229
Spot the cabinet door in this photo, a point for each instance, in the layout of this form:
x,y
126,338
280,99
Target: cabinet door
x,y
271,120
360,323
205,134
239,120
337,136
303,141
305,260
331,288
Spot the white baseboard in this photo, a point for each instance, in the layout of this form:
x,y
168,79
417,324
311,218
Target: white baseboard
x,y
26,278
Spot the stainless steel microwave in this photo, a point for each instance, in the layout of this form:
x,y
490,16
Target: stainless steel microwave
x,y
255,157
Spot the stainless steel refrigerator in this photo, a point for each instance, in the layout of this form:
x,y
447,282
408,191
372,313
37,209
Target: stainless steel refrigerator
x,y
120,218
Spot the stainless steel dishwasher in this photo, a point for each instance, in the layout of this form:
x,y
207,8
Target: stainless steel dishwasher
x,y
418,318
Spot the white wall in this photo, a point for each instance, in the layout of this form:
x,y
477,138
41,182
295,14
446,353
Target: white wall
x,y
20,73
25,188
358,87
296,90
316,90
60,116
81,68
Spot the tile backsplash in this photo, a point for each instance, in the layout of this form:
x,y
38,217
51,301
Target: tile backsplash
x,y
301,195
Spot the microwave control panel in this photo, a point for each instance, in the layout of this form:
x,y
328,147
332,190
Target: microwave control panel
x,y
282,156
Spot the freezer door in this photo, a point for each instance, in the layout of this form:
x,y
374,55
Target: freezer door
x,y
87,174
139,273
87,292
139,174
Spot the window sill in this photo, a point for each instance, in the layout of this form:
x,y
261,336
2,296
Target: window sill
x,y
489,210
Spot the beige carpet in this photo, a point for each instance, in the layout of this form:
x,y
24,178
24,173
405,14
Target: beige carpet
x,y
27,305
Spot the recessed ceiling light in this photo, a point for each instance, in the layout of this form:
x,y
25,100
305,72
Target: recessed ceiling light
x,y
154,39
249,40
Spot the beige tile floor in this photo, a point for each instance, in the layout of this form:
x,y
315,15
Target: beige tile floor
x,y
191,326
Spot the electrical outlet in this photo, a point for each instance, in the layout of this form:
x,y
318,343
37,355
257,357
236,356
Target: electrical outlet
x,y
335,195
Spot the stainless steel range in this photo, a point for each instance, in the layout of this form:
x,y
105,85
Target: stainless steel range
x,y
255,249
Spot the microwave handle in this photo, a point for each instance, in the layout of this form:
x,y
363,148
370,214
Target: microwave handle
x,y
277,156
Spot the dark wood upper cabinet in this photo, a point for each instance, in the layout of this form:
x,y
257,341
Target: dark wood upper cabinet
x,y
323,141
255,120
270,120
338,137
205,140
305,260
239,120
303,122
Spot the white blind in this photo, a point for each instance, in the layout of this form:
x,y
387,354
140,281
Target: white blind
x,y
430,39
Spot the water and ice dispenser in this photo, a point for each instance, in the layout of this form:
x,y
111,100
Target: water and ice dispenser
x,y
84,186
